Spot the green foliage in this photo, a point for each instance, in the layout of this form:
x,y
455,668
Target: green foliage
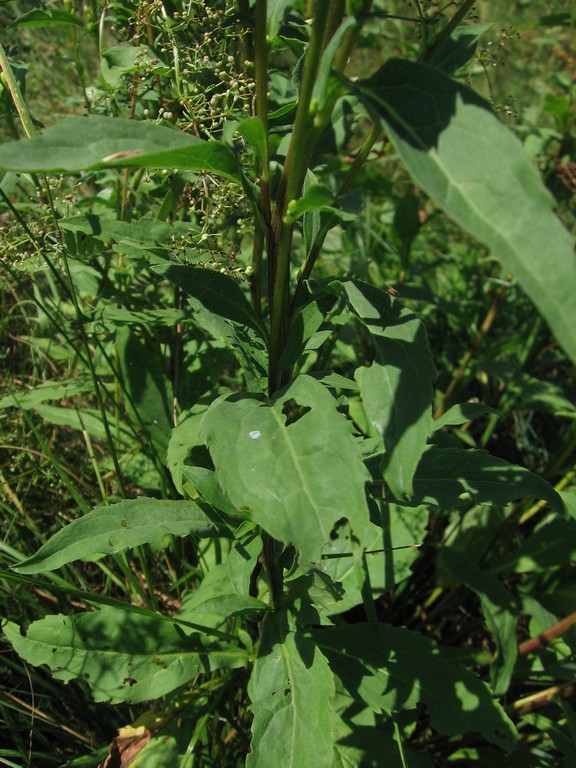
x,y
96,142
123,656
110,529
290,688
266,457
313,415
392,669
458,152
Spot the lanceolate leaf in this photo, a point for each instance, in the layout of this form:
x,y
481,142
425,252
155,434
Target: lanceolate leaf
x,y
85,419
49,17
461,413
499,610
459,50
48,390
473,167
366,740
122,656
451,477
215,292
110,529
89,143
297,480
291,690
396,389
222,309
324,83
393,669
304,331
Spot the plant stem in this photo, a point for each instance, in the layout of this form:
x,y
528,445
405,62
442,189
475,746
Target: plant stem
x,y
256,277
350,38
540,699
297,158
558,629
274,568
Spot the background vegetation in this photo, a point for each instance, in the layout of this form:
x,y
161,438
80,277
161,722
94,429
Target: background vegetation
x,y
85,320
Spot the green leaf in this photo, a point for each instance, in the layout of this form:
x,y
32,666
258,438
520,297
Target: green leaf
x,y
499,610
222,309
551,546
304,335
146,387
217,293
316,197
90,143
129,237
275,12
117,316
291,688
312,596
393,669
243,558
451,477
185,438
84,419
396,390
473,167
460,49
215,601
560,19
204,482
298,479
123,656
569,499
364,738
160,752
407,222
46,17
391,548
253,131
110,529
324,84
530,392
48,390
123,59
461,413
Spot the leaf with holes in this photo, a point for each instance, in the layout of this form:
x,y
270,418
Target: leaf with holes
x,y
122,655
292,462
291,690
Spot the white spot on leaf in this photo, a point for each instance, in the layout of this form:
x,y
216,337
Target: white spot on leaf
x,y
121,156
255,434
